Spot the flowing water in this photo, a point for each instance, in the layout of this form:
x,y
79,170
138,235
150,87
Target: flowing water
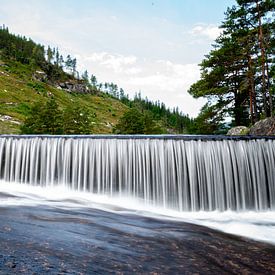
x,y
228,184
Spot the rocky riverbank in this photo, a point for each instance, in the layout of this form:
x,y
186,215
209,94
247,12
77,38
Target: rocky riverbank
x,y
40,239
264,127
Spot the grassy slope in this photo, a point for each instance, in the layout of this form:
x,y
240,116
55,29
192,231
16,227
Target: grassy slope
x,y
18,92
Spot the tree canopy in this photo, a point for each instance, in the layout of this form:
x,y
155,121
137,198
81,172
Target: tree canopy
x,y
136,122
47,118
237,76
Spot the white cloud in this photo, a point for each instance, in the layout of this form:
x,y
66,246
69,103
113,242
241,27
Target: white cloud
x,y
96,57
133,71
208,31
167,76
117,62
114,18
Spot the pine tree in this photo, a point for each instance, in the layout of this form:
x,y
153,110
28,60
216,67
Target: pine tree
x,y
85,77
77,121
49,55
260,15
240,58
93,81
74,66
131,122
135,122
44,118
68,63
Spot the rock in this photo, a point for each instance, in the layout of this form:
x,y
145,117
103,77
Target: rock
x,y
40,76
9,119
238,131
265,127
58,87
6,117
73,87
3,65
4,73
109,125
10,264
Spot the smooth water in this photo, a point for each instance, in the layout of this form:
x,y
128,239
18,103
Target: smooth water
x,y
182,174
258,225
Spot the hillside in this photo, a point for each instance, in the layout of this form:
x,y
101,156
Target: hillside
x,y
31,75
18,92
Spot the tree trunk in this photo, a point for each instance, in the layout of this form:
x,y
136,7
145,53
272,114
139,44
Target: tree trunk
x,y
261,44
252,96
268,90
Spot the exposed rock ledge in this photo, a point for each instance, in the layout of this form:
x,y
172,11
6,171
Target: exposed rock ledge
x,y
265,127
74,87
70,86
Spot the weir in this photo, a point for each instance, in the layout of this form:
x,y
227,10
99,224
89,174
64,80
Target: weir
x,y
186,173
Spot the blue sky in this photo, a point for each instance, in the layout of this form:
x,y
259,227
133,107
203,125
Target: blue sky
x,y
152,46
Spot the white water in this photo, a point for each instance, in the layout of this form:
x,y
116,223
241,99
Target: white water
x,y
185,175
228,185
255,225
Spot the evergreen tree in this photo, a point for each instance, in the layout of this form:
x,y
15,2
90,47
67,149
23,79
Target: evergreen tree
x,y
44,118
49,55
221,81
150,126
131,122
77,121
85,77
235,75
74,66
260,14
136,122
61,62
93,81
208,122
68,63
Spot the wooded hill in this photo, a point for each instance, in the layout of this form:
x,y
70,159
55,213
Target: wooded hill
x,y
41,92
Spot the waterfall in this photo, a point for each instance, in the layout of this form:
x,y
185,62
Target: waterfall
x,y
183,173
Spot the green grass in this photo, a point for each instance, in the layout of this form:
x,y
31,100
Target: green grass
x,y
18,92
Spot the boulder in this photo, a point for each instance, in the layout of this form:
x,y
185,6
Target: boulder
x,y
238,131
40,76
265,127
74,87
3,65
9,119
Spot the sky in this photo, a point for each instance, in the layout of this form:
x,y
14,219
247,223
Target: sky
x,y
148,46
